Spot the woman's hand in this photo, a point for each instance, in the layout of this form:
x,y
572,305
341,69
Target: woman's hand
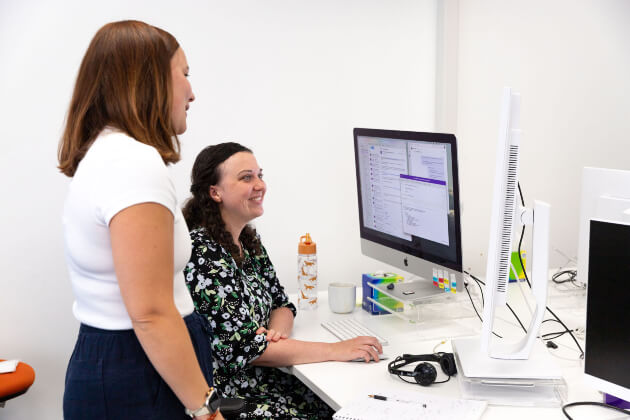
x,y
367,348
272,335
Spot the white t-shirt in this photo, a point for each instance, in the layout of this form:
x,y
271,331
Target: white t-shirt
x,y
116,172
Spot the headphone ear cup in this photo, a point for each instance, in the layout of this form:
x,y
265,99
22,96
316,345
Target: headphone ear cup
x,y
447,363
425,374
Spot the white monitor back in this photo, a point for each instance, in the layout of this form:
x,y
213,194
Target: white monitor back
x,y
605,196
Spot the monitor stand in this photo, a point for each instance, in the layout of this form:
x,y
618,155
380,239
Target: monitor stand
x,y
411,292
536,381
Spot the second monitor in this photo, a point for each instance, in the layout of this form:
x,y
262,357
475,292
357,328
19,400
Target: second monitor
x,y
408,195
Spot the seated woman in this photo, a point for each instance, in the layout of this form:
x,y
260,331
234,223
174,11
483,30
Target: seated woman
x,y
233,283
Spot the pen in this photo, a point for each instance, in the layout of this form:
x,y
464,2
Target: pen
x,y
382,398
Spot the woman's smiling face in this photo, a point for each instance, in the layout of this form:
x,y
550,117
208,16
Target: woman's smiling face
x,y
241,190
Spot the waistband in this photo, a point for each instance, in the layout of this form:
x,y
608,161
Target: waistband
x,y
193,318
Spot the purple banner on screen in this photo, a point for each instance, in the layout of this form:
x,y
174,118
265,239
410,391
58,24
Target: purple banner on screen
x,y
417,178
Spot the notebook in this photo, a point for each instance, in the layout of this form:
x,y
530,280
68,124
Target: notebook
x,y
410,405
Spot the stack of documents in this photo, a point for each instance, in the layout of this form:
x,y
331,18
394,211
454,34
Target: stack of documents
x,y
410,405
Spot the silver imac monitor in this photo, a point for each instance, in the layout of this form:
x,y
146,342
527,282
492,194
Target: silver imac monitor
x,y
408,193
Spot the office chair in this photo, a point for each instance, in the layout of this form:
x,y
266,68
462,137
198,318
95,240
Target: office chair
x,y
16,383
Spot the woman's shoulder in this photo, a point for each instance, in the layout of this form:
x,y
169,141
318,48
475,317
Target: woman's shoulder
x,y
117,145
119,171
207,249
201,237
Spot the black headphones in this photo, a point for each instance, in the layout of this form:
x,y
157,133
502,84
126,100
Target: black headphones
x,y
424,373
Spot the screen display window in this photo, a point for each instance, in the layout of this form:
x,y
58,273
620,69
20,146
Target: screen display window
x,y
407,191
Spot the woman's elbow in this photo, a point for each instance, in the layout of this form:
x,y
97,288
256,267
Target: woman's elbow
x,y
144,317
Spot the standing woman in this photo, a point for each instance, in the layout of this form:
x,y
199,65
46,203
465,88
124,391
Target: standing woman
x,y
140,345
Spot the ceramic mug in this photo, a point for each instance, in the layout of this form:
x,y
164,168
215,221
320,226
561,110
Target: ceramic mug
x,y
342,297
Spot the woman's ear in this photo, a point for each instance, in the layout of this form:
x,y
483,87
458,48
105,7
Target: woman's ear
x,y
214,194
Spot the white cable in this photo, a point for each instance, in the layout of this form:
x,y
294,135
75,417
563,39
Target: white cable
x,y
570,359
570,260
438,345
572,348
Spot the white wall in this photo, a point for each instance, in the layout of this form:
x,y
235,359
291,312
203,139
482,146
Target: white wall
x,y
289,78
570,60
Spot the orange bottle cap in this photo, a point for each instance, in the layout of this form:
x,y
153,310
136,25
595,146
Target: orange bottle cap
x,y
306,245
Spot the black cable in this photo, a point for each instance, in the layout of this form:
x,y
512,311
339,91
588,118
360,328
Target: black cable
x,y
471,301
571,273
556,334
553,335
506,304
569,332
598,404
475,278
482,302
516,316
478,285
520,257
474,307
520,242
552,320
527,279
521,194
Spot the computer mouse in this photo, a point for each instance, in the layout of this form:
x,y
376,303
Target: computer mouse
x,y
390,286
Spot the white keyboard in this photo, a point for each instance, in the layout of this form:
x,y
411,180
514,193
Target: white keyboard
x,y
346,329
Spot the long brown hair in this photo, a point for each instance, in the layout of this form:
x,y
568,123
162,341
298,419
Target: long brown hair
x,y
124,82
201,211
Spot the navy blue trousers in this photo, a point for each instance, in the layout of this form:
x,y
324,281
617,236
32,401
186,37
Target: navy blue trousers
x,y
110,377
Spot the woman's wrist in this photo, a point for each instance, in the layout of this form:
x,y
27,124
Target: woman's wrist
x,y
208,408
330,352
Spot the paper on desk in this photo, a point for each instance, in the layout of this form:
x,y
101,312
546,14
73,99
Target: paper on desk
x,y
8,366
410,405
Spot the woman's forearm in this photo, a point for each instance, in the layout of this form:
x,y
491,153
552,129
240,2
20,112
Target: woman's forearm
x,y
289,352
281,319
166,342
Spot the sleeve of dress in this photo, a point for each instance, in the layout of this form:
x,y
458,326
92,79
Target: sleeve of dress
x,y
213,283
280,298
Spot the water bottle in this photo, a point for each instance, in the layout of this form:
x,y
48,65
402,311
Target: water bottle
x,y
307,273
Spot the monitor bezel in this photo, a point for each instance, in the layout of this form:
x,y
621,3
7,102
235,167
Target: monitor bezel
x,y
369,235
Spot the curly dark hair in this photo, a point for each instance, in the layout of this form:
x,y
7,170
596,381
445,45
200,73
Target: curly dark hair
x,y
202,211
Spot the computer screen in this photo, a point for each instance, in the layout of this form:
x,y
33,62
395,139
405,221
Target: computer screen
x,y
606,361
408,196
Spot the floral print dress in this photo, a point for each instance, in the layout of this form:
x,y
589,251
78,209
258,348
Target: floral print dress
x,y
237,301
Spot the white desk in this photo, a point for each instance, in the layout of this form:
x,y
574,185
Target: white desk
x,y
338,383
